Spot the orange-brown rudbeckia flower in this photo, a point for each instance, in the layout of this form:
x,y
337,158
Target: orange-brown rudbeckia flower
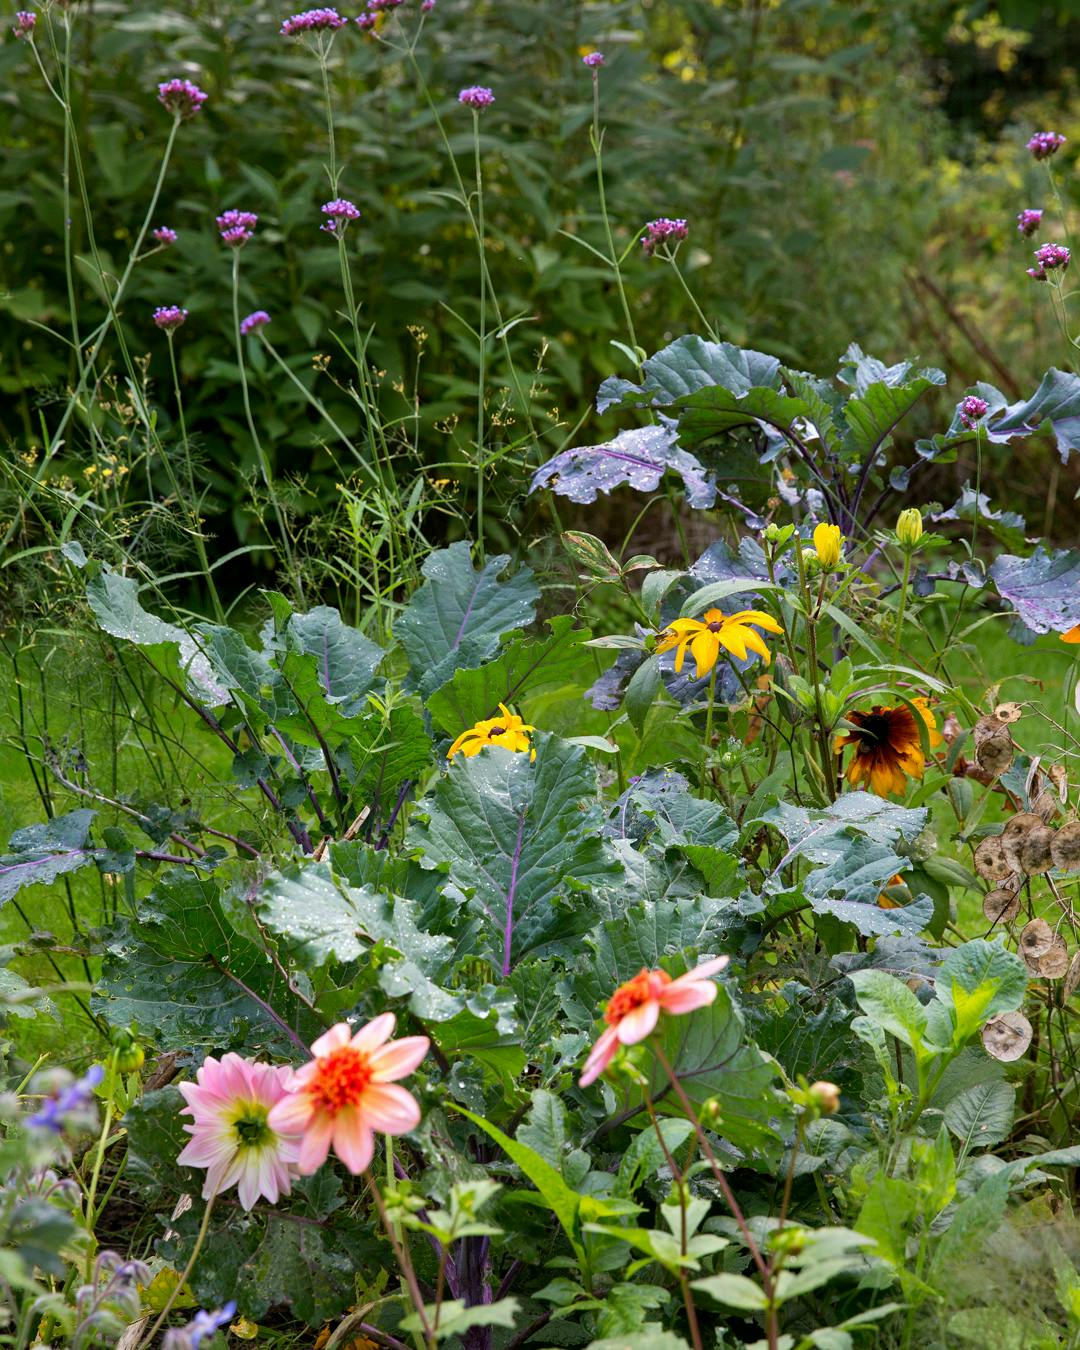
x,y
888,749
713,631
1073,635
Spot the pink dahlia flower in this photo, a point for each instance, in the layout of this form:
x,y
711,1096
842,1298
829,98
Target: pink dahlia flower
x,y
635,1009
348,1092
231,1135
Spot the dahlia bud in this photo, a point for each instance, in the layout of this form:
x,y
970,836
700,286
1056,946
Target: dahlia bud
x,y
909,527
827,1097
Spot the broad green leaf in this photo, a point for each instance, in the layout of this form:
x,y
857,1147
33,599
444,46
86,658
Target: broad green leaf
x,y
188,978
651,1337
1044,588
38,854
891,1005
523,665
544,1128
458,615
981,1116
890,1206
454,1318
974,1220
521,839
638,458
736,1291
343,661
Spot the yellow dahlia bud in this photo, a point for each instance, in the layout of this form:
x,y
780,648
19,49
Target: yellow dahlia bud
x,y
827,1097
828,542
909,527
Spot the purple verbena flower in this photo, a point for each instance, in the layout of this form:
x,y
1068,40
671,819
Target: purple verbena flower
x,y
1028,221
312,21
254,321
338,213
236,227
376,5
971,410
427,6
182,98
24,23
1045,143
1037,273
1050,256
663,231
169,317
164,235
72,1099
366,21
476,96
593,60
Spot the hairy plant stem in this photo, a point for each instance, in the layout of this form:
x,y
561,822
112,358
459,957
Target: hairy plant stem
x,y
264,463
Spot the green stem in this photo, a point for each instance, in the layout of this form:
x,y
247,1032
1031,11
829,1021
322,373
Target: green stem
x,y
110,1089
903,600
707,747
196,524
482,362
670,257
596,136
184,1277
264,464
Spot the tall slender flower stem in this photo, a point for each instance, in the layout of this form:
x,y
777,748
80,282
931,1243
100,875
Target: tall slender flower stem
x,y
264,464
96,339
481,379
196,525
902,604
670,258
184,1277
596,139
707,747
404,1260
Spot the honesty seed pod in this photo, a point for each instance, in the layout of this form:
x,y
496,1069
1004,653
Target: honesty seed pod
x,y
1036,939
1033,852
993,745
1065,847
1054,963
1009,712
1002,905
1072,977
1007,1037
991,860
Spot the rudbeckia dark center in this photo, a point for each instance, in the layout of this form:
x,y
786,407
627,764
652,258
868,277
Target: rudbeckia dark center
x,y
874,728
716,625
497,731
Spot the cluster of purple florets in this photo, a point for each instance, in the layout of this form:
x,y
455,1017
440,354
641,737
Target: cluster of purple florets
x,y
165,236
663,231
1028,222
71,1100
338,213
593,60
25,20
312,21
476,96
236,227
1045,143
202,1324
180,97
971,410
169,317
254,322
1048,258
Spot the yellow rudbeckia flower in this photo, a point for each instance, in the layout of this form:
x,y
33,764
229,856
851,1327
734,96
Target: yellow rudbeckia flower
x,y
888,747
507,730
828,542
713,631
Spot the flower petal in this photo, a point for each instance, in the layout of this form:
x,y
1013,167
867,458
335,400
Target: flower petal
x,y
398,1059
683,998
331,1040
600,1056
354,1143
375,1033
315,1145
389,1109
636,1025
292,1114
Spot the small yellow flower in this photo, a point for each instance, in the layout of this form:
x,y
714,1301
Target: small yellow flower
x,y
713,631
507,730
828,542
909,527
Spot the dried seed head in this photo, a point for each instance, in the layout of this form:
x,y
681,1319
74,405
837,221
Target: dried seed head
x,y
1072,977
1054,963
1065,848
1020,824
1059,776
1034,851
1002,905
991,861
993,745
1007,1037
1045,804
1008,712
1036,939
